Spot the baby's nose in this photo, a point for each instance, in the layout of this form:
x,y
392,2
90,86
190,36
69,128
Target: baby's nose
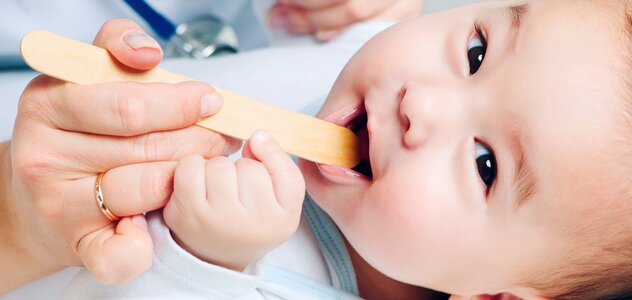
x,y
426,110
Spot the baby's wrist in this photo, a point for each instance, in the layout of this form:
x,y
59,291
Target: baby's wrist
x,y
237,265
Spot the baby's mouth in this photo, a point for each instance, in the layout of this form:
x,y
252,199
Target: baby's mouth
x,y
359,126
355,119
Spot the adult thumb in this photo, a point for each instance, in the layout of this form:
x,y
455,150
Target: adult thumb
x,y
129,44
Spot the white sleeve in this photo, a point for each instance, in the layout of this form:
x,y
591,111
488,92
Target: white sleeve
x,y
175,274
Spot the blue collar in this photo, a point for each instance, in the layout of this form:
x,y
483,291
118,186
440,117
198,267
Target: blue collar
x,y
335,252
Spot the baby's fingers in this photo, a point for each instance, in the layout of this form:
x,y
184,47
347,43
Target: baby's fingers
x,y
118,253
288,182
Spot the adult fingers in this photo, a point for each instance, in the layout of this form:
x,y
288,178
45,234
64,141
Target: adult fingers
x,y
103,152
127,191
117,253
345,14
129,44
128,108
311,4
336,17
286,177
290,18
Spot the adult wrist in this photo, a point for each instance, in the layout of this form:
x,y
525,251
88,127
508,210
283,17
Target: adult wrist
x,y
19,263
8,217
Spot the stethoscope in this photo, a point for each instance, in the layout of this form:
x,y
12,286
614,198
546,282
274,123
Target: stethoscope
x,y
199,38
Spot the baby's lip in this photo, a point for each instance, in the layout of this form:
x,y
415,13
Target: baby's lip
x,y
344,116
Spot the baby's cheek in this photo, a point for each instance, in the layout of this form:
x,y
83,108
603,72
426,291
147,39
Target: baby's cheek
x,y
400,230
408,201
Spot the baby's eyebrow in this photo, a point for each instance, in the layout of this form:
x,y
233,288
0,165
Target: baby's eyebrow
x,y
516,14
524,181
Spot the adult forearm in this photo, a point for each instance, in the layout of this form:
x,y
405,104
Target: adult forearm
x,y
18,263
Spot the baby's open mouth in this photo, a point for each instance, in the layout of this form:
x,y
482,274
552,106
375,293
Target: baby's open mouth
x,y
358,125
354,118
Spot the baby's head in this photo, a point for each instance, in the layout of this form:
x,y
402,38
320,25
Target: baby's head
x,y
500,160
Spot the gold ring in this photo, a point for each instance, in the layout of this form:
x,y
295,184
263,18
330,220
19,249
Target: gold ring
x,y
98,194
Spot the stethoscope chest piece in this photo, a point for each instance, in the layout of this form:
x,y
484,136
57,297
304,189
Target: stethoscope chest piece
x,y
202,38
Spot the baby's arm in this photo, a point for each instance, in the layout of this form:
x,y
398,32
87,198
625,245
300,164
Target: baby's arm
x,y
231,213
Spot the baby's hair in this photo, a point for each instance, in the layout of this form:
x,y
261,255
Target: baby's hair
x,y
605,273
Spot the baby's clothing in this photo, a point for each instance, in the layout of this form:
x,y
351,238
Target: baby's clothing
x,y
313,264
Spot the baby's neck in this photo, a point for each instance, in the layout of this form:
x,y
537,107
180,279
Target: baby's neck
x,y
374,285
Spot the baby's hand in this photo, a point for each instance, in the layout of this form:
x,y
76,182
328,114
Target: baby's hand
x,y
231,213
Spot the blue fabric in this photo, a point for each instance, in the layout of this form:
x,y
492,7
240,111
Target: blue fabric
x,y
332,245
302,283
333,248
161,25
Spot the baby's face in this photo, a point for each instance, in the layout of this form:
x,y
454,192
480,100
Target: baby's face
x,y
458,141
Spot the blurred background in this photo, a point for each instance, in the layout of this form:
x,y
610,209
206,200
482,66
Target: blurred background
x,y
437,5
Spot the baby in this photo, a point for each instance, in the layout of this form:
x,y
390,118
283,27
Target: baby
x,y
496,153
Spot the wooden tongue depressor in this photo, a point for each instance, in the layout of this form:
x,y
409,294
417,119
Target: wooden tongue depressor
x,y
304,136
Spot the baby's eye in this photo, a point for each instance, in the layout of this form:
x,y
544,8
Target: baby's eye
x,y
486,164
476,51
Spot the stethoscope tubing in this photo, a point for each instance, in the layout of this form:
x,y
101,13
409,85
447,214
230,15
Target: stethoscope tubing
x,y
159,23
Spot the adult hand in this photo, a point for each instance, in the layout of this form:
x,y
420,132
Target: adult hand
x,y
326,18
65,134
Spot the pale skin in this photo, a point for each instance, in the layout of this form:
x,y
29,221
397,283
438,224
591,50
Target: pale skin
x,y
429,215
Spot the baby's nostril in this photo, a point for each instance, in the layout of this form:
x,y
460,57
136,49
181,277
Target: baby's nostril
x,y
405,122
402,93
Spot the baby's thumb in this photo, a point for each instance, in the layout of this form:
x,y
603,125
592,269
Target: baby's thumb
x,y
246,151
288,182
118,253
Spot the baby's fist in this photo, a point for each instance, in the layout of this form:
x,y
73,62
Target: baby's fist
x,y
231,213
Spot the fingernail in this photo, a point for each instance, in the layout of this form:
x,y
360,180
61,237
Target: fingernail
x,y
279,20
210,104
260,136
326,35
137,40
140,221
